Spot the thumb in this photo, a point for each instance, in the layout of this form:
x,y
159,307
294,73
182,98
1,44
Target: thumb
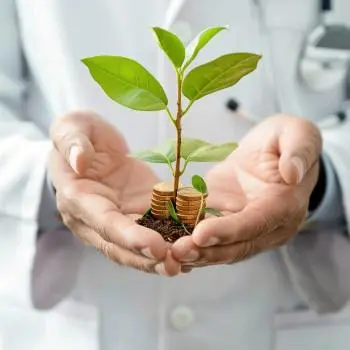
x,y
300,145
71,137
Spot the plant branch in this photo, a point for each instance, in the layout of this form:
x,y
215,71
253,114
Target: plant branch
x,y
188,107
177,173
170,115
184,167
171,169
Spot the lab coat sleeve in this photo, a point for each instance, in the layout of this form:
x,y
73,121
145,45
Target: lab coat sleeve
x,y
330,209
336,146
318,258
23,153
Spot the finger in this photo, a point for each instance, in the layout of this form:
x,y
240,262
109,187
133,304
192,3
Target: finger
x,y
169,267
71,136
240,251
224,254
103,216
300,146
185,250
257,219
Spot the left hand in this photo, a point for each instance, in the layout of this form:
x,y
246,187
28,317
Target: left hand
x,y
263,190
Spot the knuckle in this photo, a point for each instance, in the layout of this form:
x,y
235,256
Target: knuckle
x,y
103,232
145,266
242,252
248,249
109,252
266,224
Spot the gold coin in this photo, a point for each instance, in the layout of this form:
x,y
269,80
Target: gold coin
x,y
162,197
164,188
188,193
192,199
159,206
187,205
188,212
187,216
157,216
162,213
162,202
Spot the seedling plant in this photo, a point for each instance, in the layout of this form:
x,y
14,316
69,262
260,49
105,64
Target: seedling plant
x,y
131,85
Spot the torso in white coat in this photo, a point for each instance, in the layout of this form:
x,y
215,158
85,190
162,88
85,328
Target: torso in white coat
x,y
224,307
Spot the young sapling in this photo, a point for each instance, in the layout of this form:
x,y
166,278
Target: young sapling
x,y
130,84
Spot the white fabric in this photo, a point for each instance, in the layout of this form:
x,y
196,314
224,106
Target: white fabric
x,y
233,306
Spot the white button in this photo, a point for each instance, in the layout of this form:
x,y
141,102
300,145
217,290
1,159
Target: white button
x,y
183,30
182,318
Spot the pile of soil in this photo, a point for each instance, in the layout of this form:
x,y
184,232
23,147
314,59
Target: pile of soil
x,y
168,228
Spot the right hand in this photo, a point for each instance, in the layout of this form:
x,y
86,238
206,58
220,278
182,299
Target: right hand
x,y
100,190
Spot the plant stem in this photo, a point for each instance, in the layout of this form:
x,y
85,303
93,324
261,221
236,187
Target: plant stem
x,y
188,107
177,174
200,210
171,169
184,168
170,116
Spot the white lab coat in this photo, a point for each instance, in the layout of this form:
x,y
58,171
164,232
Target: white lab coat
x,y
250,305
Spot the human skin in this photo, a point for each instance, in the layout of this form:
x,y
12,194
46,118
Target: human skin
x,y
262,188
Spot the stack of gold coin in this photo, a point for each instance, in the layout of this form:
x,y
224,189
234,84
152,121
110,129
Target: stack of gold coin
x,y
163,192
188,203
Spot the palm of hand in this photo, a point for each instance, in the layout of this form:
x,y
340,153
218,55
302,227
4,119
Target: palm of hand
x,y
246,176
260,210
124,180
249,182
111,178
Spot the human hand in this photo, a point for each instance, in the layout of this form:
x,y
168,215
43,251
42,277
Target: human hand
x,y
99,190
263,190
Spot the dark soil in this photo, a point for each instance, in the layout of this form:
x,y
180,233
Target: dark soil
x,y
168,228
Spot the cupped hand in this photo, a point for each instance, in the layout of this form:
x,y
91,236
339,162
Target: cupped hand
x,y
262,188
100,189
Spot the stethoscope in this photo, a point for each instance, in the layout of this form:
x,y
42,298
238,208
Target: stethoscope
x,y
173,9
333,120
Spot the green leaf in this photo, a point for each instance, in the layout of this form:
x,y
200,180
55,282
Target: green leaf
x,y
199,42
147,212
212,153
171,45
199,184
151,156
212,211
218,74
127,82
164,153
168,148
190,145
172,212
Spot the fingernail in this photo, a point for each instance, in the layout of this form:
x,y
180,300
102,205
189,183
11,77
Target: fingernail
x,y
161,270
73,157
300,166
147,253
193,255
211,241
